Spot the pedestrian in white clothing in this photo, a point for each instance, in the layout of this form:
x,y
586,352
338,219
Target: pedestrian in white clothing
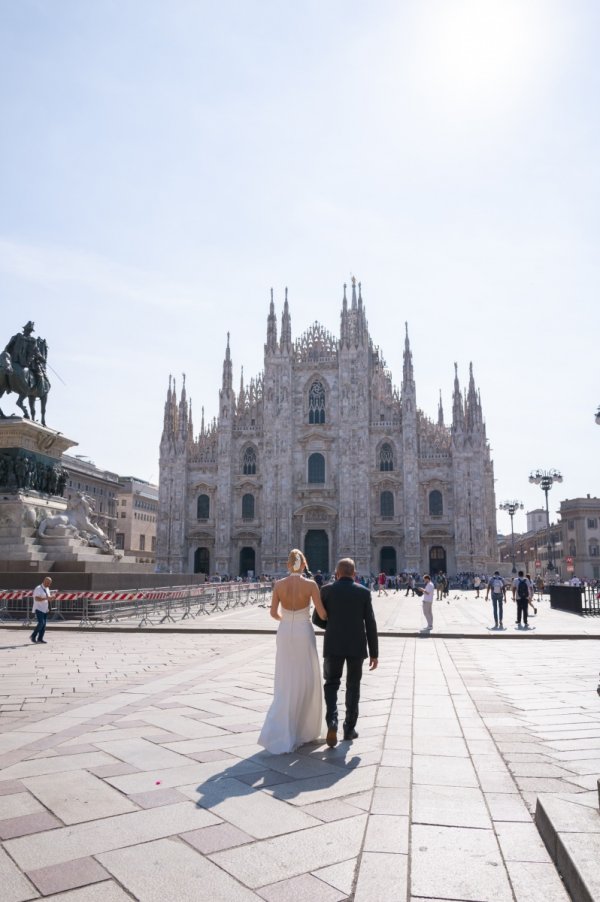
x,y
41,598
428,590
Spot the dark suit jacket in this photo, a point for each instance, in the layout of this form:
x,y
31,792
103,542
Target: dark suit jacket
x,y
351,622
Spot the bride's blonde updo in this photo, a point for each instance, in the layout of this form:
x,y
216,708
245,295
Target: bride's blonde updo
x,y
296,561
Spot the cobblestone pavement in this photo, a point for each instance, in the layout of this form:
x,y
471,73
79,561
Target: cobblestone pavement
x,y
129,769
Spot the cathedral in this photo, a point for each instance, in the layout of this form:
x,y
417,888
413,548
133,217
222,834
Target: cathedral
x,y
322,452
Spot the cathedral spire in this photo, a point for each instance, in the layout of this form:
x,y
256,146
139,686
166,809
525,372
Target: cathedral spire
x,y
458,413
408,376
169,418
354,303
271,345
473,405
202,422
183,410
190,430
440,411
345,325
286,326
227,370
241,396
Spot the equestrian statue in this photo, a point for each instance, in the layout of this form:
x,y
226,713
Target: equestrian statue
x,y
23,371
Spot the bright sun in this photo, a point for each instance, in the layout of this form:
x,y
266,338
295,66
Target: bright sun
x,y
474,52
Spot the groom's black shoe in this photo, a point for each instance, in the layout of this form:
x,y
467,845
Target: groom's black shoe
x,y
331,738
350,734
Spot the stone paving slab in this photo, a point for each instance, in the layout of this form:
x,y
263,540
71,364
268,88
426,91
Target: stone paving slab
x,y
452,732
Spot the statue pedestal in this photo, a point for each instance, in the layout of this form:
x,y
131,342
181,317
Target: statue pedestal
x,y
31,484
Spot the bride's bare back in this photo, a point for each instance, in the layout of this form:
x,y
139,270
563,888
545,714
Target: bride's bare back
x,y
294,593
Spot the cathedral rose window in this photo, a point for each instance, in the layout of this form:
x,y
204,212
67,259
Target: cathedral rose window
x,y
316,403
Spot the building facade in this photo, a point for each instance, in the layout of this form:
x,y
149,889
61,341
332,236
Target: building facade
x,y
323,453
101,486
572,545
137,511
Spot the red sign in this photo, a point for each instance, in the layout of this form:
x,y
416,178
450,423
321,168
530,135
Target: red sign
x,y
538,564
569,560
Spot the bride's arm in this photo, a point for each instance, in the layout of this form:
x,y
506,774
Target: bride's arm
x,y
316,597
275,604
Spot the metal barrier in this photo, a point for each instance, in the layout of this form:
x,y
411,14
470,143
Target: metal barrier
x,y
590,600
144,607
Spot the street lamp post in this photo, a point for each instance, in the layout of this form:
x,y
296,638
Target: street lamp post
x,y
546,479
511,507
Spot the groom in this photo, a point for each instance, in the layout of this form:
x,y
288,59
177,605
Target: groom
x,y
349,628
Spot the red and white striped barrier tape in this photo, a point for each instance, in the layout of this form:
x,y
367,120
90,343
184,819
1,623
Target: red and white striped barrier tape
x,y
142,595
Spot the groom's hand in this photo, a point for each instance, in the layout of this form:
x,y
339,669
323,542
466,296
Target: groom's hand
x,y
372,663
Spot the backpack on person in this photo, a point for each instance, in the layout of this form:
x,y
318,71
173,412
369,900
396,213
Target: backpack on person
x,y
497,585
523,590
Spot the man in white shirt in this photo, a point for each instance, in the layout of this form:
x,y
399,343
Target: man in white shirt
x,y
41,597
428,590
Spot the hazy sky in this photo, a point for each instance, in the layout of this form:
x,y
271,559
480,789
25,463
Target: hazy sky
x,y
163,164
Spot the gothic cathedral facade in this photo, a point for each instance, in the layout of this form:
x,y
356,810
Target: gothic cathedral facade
x,y
321,452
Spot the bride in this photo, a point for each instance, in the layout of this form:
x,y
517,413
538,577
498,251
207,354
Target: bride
x,y
296,713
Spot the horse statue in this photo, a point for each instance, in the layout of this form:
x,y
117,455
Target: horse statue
x,y
23,371
76,520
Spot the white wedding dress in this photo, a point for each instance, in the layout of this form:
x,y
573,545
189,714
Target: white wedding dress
x,y
296,712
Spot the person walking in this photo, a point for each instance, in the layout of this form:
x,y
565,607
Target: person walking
x,y
428,590
410,585
382,581
296,712
531,592
41,599
521,591
350,629
497,587
477,585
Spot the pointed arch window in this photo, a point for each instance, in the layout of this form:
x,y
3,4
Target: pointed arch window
x,y
436,503
249,462
316,468
386,504
203,507
386,458
316,403
248,507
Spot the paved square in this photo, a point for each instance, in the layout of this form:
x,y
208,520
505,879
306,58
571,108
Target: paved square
x,y
129,769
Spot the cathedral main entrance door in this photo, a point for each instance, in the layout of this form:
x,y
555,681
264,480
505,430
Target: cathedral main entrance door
x,y
316,550
201,561
247,561
387,560
437,560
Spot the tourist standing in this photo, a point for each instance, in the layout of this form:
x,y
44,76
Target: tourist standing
x,y
382,583
476,585
428,590
497,587
41,599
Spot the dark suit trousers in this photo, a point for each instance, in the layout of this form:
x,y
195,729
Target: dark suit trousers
x,y
333,666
